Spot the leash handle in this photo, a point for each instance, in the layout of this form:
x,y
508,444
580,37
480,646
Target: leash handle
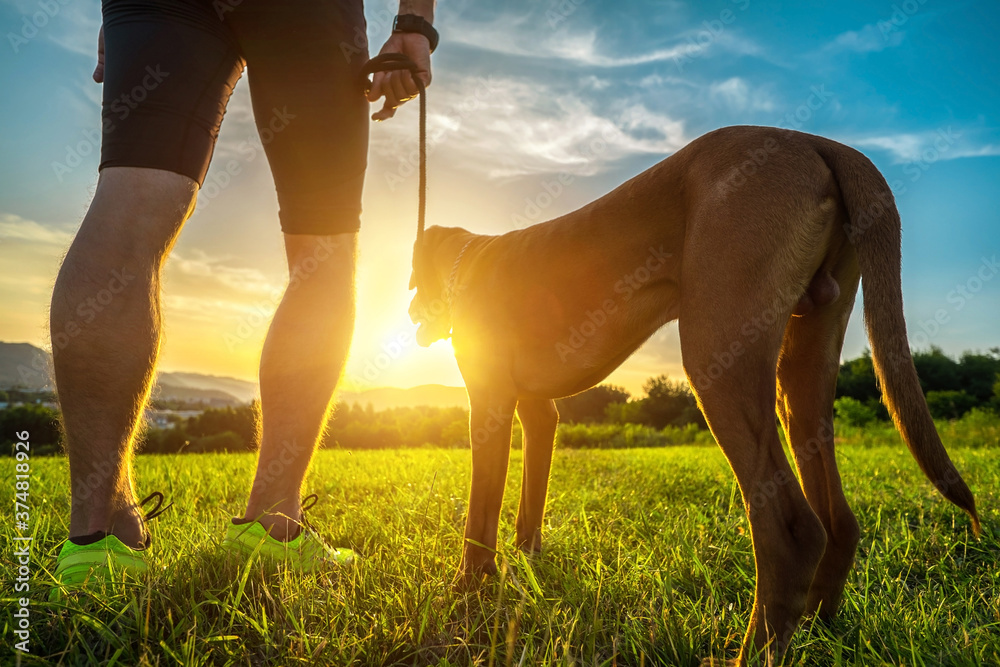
x,y
390,62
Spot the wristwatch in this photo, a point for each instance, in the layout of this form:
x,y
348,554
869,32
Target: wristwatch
x,y
417,24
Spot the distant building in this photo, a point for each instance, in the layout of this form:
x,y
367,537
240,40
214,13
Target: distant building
x,y
164,419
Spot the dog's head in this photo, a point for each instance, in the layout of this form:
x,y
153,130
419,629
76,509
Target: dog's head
x,y
431,306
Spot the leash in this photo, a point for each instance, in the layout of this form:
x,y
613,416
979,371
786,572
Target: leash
x,y
389,62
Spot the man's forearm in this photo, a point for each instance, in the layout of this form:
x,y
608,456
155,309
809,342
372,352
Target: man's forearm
x,y
423,8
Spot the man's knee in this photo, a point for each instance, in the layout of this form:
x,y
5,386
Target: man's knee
x,y
329,258
138,211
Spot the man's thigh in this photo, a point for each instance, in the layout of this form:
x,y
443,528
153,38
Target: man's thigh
x,y
304,67
170,68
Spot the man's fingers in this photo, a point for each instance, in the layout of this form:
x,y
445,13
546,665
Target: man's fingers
x,y
376,91
399,91
384,113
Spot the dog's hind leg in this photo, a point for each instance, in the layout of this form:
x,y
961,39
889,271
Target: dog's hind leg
x,y
539,419
807,382
490,421
734,380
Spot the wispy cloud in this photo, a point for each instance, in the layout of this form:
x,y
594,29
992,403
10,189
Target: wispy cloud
x,y
736,94
524,127
945,143
867,39
16,228
529,36
202,272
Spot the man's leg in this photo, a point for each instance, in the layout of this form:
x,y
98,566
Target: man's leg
x,y
300,366
105,325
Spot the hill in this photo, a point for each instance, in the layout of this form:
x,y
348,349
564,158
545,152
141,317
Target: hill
x,y
25,366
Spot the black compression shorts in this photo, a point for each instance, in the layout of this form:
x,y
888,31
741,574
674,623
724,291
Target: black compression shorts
x,y
171,66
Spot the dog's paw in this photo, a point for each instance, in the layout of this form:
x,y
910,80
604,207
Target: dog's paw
x,y
530,544
472,575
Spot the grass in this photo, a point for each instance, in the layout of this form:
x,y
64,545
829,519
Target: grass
x,y
647,561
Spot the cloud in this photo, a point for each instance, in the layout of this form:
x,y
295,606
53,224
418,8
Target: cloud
x,y
868,39
509,127
16,228
737,95
944,143
203,273
526,36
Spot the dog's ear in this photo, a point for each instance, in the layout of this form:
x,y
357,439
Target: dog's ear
x,y
413,279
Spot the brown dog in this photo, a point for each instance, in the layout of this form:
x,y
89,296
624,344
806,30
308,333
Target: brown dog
x,y
754,239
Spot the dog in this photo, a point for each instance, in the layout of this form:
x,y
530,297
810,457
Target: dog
x,y
755,239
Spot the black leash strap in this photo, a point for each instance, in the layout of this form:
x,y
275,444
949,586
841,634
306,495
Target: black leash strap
x,y
388,62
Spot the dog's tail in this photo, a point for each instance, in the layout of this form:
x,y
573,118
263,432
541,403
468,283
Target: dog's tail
x,y
874,231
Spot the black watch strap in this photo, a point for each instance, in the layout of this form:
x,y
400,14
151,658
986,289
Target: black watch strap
x,y
417,24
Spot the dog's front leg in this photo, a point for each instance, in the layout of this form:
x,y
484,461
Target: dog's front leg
x,y
539,419
490,424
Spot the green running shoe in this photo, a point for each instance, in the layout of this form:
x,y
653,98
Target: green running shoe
x,y
101,558
306,552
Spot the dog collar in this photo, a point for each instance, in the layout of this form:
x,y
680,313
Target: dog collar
x,y
450,292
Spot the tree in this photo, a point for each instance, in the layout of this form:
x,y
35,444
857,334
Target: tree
x,y
590,407
670,402
977,373
949,404
937,371
241,421
853,412
41,423
857,379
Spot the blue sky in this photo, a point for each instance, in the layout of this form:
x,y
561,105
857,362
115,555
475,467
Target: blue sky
x,y
524,92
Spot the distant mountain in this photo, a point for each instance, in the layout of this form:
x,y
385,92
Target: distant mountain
x,y
175,385
432,395
25,366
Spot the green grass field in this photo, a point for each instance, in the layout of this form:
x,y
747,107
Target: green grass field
x,y
647,561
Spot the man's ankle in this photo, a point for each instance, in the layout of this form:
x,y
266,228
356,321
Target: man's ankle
x,y
280,527
280,519
126,527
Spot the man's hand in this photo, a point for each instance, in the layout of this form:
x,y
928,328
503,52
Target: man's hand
x,y
99,70
398,86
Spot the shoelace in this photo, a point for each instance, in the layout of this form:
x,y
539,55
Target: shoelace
x,y
149,516
159,509
308,503
153,513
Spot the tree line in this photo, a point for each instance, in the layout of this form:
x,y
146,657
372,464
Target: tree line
x,y
606,416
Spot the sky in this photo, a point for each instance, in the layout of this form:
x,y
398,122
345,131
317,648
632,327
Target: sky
x,y
527,96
